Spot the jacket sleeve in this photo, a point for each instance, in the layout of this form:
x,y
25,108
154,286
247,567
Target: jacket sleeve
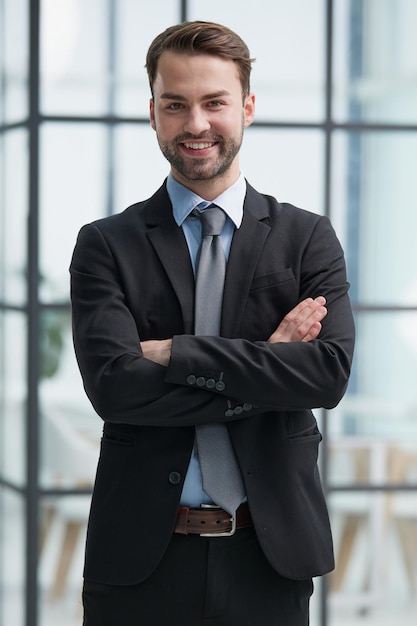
x,y
255,376
121,384
284,376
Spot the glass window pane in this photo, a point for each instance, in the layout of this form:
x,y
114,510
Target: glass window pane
x,y
139,165
291,167
73,189
381,398
135,27
373,432
12,558
374,197
14,60
13,397
288,75
74,57
70,428
360,460
376,559
13,216
375,65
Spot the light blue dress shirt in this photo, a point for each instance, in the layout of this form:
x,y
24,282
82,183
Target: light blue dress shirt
x,y
183,202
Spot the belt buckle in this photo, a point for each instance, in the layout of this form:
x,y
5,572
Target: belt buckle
x,y
225,534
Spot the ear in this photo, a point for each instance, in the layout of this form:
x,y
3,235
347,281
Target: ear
x,y
249,110
152,113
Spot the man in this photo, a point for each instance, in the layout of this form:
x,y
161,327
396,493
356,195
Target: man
x,y
160,549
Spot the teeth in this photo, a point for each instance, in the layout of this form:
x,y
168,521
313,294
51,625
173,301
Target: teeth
x,y
198,146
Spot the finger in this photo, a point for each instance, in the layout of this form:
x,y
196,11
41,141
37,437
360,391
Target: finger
x,y
304,326
313,332
311,328
304,308
297,323
299,319
299,314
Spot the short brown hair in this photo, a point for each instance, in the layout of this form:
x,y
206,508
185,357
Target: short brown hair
x,y
201,38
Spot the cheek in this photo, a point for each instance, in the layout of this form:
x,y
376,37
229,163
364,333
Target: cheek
x,y
229,126
166,128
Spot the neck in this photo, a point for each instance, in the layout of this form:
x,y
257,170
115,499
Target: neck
x,y
208,189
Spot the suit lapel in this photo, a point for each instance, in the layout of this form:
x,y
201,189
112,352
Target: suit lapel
x,y
170,245
245,251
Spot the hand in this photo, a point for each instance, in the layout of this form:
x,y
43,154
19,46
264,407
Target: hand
x,y
158,351
302,323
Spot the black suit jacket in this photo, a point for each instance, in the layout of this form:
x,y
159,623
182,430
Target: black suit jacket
x,y
132,280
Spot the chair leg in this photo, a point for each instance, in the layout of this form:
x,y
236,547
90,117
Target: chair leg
x,y
45,527
350,530
408,536
71,535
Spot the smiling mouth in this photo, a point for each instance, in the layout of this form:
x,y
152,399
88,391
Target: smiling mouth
x,y
201,145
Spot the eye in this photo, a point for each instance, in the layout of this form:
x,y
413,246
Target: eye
x,y
215,104
174,106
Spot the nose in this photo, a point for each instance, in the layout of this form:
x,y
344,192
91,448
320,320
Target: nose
x,y
197,121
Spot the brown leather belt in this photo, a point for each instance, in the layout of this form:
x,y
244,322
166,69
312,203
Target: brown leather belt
x,y
211,521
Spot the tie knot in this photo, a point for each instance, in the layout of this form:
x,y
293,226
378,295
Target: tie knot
x,y
212,220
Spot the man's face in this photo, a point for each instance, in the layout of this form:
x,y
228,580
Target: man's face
x,y
199,115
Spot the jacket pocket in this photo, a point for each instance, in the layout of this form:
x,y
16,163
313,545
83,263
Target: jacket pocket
x,y
272,278
116,437
307,435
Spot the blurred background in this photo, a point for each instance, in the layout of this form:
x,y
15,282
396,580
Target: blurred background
x,y
335,133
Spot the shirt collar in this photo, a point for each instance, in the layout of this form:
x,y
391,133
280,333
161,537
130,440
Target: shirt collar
x,y
184,200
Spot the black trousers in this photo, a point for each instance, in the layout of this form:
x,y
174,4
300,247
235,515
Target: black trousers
x,y
204,582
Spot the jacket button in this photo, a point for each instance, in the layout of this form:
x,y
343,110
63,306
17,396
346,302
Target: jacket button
x,y
201,381
174,478
238,409
247,407
220,386
191,379
210,383
229,413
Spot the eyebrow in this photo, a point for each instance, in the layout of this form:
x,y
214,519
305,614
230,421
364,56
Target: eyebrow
x,y
167,95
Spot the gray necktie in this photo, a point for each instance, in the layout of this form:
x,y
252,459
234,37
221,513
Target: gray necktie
x,y
222,480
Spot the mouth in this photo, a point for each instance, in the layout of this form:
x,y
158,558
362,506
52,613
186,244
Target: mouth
x,y
198,147
201,145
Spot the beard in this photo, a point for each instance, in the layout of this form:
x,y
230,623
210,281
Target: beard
x,y
201,169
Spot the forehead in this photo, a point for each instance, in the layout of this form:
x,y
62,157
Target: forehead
x,y
181,72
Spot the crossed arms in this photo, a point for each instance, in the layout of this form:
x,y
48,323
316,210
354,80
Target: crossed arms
x,y
302,323
304,363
